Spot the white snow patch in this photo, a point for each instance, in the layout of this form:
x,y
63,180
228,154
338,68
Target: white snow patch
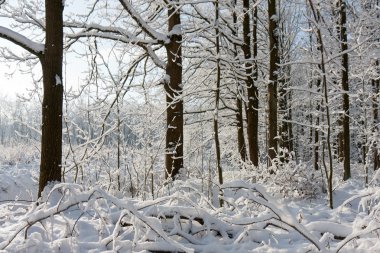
x,y
58,80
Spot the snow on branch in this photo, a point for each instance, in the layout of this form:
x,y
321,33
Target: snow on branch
x,y
182,222
22,41
143,25
122,37
257,194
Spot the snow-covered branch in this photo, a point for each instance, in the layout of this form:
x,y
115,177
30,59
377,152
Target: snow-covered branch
x,y
141,22
117,35
22,41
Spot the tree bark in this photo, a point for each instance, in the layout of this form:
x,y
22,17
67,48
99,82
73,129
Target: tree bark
x,y
375,111
329,173
253,101
240,129
51,60
284,109
217,95
272,86
345,88
242,148
174,100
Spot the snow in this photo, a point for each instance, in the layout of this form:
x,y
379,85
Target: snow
x,y
19,39
78,218
177,30
149,30
58,80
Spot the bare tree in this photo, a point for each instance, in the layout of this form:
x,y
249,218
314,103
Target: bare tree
x,y
173,87
344,79
50,56
273,80
253,100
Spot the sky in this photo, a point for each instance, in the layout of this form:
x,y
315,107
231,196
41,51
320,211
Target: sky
x,y
13,82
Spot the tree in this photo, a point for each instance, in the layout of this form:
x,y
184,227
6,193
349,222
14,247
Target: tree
x,y
344,79
152,41
242,148
173,87
321,48
50,56
253,100
273,80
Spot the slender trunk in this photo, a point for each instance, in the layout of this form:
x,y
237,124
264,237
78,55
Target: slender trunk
x,y
174,100
217,94
329,174
345,88
272,86
316,135
284,109
253,101
242,149
290,125
240,129
364,143
51,140
315,129
118,144
375,112
375,104
316,148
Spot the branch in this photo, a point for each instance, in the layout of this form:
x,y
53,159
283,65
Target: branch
x,y
22,41
146,45
143,25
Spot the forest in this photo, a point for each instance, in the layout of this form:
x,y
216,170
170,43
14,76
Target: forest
x,y
190,126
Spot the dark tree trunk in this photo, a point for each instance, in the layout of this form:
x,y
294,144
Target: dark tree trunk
x,y
51,60
272,86
240,129
316,134
253,100
375,111
242,148
174,100
345,88
217,95
375,105
290,125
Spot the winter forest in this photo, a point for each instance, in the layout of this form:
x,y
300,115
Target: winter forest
x,y
190,126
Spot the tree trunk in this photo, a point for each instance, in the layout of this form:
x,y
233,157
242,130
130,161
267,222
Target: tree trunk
x,y
329,172
284,109
272,86
242,149
217,94
51,141
375,105
240,129
253,101
375,111
345,88
174,100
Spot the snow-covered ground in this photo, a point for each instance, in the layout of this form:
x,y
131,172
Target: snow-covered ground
x,y
75,218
